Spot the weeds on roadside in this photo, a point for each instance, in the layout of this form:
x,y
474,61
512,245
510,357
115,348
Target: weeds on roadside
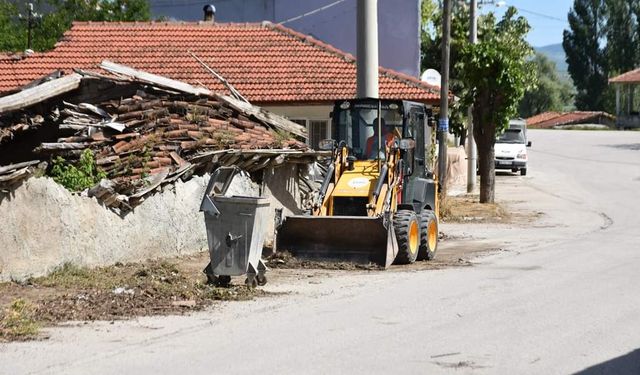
x,y
17,322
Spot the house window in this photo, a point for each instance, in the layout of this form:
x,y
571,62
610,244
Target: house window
x,y
318,130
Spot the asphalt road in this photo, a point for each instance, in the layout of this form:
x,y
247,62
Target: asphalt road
x,y
562,297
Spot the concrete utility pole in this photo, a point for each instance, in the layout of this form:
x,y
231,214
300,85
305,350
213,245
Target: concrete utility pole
x,y
443,123
367,51
29,24
472,155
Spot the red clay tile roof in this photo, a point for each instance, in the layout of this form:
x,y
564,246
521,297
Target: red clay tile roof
x,y
267,63
577,117
628,77
533,120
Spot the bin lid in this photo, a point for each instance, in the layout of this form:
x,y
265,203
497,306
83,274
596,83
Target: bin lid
x,y
259,201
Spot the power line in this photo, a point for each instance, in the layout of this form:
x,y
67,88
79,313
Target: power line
x,y
328,20
175,3
542,15
538,14
312,12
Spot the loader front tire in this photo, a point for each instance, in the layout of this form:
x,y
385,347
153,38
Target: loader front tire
x,y
428,235
407,228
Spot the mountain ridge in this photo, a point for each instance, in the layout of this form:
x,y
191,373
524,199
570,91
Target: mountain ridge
x,y
555,53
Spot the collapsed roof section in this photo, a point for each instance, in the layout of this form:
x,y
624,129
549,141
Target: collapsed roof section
x,y
144,130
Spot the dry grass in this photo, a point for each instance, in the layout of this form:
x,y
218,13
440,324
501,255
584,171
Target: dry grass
x,y
467,208
17,321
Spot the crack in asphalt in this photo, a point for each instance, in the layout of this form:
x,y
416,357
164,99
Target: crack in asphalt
x,y
608,221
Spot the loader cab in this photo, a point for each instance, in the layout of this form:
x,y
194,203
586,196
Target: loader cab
x,y
361,124
355,122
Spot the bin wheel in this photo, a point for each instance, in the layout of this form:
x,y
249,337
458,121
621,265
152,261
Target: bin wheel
x,y
223,281
211,278
251,282
262,279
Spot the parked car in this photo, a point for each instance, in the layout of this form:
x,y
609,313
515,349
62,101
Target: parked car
x,y
511,148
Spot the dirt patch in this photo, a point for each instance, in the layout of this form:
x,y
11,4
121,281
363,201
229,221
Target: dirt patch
x,y
284,260
468,209
121,291
453,251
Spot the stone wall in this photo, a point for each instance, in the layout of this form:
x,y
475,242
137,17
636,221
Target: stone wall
x,y
45,226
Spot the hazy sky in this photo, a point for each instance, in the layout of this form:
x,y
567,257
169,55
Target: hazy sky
x,y
548,18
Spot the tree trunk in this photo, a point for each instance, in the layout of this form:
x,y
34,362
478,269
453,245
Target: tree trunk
x,y
485,136
487,174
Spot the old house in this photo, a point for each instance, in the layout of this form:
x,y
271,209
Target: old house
x,y
548,120
275,67
627,112
133,151
333,22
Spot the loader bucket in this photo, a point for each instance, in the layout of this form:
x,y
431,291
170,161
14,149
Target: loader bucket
x,y
355,239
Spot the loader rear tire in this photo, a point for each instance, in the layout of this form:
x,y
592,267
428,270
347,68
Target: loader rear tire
x,y
407,228
428,235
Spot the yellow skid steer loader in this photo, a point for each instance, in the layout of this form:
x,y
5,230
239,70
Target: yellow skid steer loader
x,y
378,201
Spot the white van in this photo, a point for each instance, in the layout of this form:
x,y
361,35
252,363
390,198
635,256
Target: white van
x,y
511,148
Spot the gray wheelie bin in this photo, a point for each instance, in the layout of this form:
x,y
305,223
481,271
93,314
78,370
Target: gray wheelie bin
x,y
235,231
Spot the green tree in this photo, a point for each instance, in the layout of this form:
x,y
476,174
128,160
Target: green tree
x,y
622,35
51,26
585,43
500,71
551,93
9,36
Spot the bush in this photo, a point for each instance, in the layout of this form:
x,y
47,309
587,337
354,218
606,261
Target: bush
x,y
84,174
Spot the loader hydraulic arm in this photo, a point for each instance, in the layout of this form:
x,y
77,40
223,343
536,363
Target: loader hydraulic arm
x,y
334,171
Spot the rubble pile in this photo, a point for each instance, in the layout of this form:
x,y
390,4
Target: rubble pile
x,y
146,140
13,174
154,135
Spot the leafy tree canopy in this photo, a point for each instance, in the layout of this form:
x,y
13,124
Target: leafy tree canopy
x,y
584,45
603,40
551,92
497,71
49,27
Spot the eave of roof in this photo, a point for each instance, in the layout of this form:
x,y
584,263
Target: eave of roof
x,y
262,76
632,76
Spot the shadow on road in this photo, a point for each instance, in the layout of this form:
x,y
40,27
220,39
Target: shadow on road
x,y
623,365
630,146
